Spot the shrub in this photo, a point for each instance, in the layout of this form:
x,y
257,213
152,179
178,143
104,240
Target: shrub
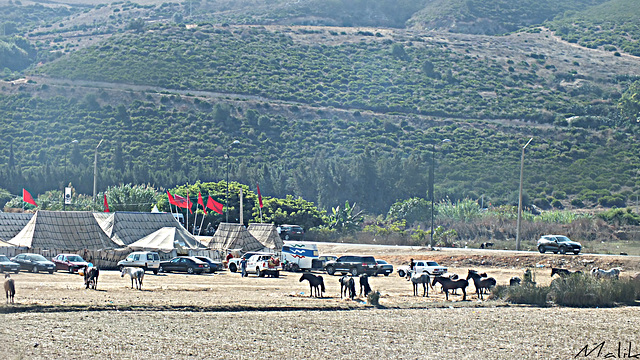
x,y
528,293
374,298
584,290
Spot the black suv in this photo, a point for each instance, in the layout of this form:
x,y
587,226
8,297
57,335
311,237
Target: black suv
x,y
291,232
355,265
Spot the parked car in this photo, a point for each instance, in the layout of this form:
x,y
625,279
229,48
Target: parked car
x,y
148,260
34,263
291,232
558,244
263,265
7,265
69,262
384,268
355,265
428,266
213,265
188,264
234,263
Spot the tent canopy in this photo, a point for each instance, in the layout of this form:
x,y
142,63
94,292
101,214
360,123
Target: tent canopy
x,y
12,223
166,239
234,236
125,227
63,230
267,235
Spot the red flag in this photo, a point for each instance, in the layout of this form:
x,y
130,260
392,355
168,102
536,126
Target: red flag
x,y
26,197
259,195
214,205
172,201
106,204
179,201
189,203
201,203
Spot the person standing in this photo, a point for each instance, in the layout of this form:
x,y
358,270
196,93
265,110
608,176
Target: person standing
x,y
243,266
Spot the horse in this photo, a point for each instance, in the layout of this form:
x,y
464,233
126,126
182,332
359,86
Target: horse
x,y
315,282
9,288
564,272
347,284
449,284
91,277
136,274
613,273
364,285
515,281
486,245
423,279
480,282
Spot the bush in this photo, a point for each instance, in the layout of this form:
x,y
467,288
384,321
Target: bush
x,y
584,290
528,293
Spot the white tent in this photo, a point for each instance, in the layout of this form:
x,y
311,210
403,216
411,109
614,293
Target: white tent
x,y
167,239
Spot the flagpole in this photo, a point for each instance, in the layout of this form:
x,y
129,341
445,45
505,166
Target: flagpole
x,y
204,212
201,222
187,210
241,217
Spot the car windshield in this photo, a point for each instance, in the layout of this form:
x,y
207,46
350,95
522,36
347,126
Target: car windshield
x,y
381,261
432,263
562,239
3,258
38,258
75,258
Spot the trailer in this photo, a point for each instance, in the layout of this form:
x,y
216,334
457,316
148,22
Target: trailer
x,y
299,255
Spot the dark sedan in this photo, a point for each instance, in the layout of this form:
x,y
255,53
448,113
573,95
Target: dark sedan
x,y
213,265
188,264
7,265
384,268
34,263
69,262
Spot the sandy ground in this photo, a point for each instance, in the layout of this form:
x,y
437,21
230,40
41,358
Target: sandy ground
x,y
226,316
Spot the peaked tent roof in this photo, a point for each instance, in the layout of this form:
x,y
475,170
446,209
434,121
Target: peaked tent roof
x,y
267,235
167,239
5,244
63,230
125,227
12,223
234,236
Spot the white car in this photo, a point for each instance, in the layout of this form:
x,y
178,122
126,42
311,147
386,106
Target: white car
x,y
262,265
148,260
428,266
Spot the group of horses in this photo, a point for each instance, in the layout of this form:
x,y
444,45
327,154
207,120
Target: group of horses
x,y
347,285
613,273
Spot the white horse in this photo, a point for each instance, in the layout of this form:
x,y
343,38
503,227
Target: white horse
x,y
136,274
613,273
423,279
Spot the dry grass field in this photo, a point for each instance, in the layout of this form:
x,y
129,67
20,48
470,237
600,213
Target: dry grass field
x,y
225,316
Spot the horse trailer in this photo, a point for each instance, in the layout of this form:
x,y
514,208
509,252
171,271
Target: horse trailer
x,y
299,255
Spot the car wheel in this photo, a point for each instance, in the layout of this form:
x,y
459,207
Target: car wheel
x,y
330,270
155,272
401,273
387,274
233,268
354,272
542,249
576,252
259,273
276,274
286,237
34,270
295,268
50,271
17,271
70,270
190,270
563,250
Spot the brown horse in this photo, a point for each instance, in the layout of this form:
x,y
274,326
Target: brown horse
x,y
448,284
9,288
91,277
481,282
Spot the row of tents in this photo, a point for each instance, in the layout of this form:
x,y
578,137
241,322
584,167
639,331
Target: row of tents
x,y
79,230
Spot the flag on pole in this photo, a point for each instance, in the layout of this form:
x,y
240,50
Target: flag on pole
x,y
201,203
214,205
26,197
179,201
259,195
172,201
106,204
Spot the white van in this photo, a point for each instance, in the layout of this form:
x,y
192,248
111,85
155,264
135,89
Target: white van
x,y
299,255
148,260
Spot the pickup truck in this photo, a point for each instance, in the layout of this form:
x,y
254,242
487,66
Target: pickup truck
x,y
234,263
428,266
263,265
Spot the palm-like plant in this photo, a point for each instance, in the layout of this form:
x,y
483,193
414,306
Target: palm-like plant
x,y
345,219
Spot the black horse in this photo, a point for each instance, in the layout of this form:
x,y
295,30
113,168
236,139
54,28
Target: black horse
x,y
364,285
347,284
480,282
315,282
564,272
448,284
